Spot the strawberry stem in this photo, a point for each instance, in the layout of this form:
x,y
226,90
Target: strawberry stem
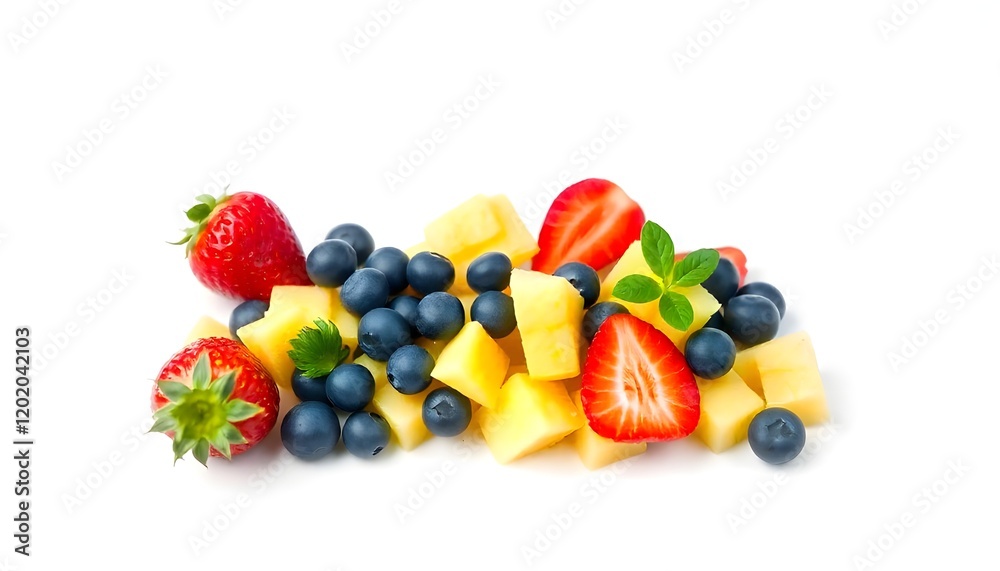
x,y
199,214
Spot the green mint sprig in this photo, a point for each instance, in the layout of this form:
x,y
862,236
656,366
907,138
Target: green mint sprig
x,y
658,251
317,351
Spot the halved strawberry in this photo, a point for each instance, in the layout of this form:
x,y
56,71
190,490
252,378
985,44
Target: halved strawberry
x,y
734,255
636,385
592,221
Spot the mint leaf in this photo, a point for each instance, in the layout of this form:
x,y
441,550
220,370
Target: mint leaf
x,y
676,310
658,250
318,351
637,289
695,267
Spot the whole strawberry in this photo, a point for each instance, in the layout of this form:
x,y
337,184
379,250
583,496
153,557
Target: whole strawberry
x,y
242,246
215,398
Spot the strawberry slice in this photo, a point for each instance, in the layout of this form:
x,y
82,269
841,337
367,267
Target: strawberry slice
x,y
636,385
592,221
734,255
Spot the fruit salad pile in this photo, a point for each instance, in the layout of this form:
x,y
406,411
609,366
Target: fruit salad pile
x,y
381,346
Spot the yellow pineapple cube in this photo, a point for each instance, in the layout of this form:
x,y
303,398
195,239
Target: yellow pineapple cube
x,y
433,347
727,407
511,345
404,413
376,368
416,249
549,314
473,364
529,416
269,338
317,303
207,327
596,451
789,376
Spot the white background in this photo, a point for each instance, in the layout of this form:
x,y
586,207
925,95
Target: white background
x,y
686,126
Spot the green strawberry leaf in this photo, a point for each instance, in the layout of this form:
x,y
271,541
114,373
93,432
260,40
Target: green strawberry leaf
x,y
637,289
317,351
657,250
237,410
676,310
695,267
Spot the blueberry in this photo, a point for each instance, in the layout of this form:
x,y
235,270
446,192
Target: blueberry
x,y
489,272
494,310
440,316
246,313
392,262
751,319
364,291
310,430
350,387
309,388
723,282
584,278
406,305
776,435
365,434
331,262
766,290
446,412
381,331
428,272
596,316
359,239
409,369
716,321
710,353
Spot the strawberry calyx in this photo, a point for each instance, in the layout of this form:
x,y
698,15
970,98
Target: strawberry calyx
x,y
201,416
199,214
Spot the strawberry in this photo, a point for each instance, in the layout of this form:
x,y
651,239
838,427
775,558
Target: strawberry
x,y
242,245
214,397
636,385
592,221
734,255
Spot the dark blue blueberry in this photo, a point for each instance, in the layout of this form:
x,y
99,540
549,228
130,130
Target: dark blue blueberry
x,y
489,272
766,290
309,388
365,434
751,319
392,262
776,435
350,387
331,262
359,239
440,316
716,321
446,412
310,430
428,272
246,313
381,331
710,353
584,278
406,305
494,310
596,316
364,291
723,282
409,369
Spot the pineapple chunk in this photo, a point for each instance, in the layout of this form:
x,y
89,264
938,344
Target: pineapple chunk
x,y
549,314
317,303
433,347
473,364
404,413
207,327
746,367
594,450
789,376
529,416
479,225
376,368
416,249
269,339
511,345
727,407
632,262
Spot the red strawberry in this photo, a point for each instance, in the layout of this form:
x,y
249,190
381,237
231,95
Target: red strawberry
x,y
214,397
592,221
734,255
242,245
636,385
